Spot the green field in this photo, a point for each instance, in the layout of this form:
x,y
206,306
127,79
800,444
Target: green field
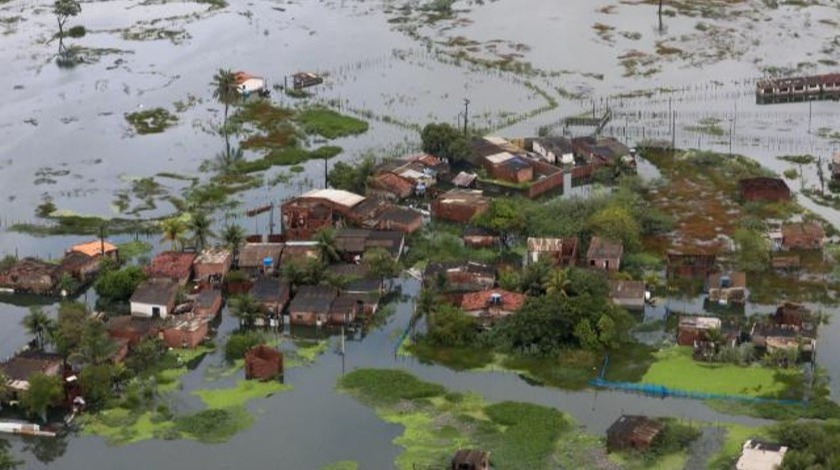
x,y
674,368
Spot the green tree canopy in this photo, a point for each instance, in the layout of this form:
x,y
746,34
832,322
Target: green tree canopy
x,y
444,141
752,250
63,10
38,324
382,264
616,222
69,327
200,226
96,346
505,217
45,391
247,309
352,177
119,285
449,326
173,231
233,237
97,385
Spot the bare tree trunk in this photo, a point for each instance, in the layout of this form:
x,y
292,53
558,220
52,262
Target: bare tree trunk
x,y
660,16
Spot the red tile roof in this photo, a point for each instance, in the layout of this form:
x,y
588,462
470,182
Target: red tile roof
x,y
393,183
511,301
172,264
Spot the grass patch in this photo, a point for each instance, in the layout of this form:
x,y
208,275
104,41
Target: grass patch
x,y
454,358
674,368
120,426
214,425
133,249
342,465
84,225
736,435
245,391
437,422
151,121
330,124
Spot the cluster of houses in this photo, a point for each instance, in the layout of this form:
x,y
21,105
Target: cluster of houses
x,y
80,264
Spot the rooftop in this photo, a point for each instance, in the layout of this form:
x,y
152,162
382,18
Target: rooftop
x,y
313,299
94,248
336,196
549,244
499,158
253,254
623,289
215,255
155,292
21,366
173,264
761,456
269,289
762,182
392,182
639,426
501,298
700,323
602,248
463,196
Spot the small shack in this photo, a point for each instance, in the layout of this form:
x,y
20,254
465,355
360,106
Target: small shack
x,y
272,293
31,275
729,288
132,329
459,205
690,265
260,258
390,187
479,237
263,363
491,305
633,432
311,305
208,303
757,455
604,254
558,251
470,459
185,331
154,298
302,80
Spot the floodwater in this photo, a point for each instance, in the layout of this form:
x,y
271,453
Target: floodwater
x,y
63,136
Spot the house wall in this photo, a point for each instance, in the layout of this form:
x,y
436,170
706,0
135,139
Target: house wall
x,y
553,181
178,338
481,241
410,227
609,264
456,212
212,310
147,310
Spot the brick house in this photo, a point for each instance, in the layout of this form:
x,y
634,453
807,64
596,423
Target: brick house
x,y
763,189
311,305
132,329
479,237
31,275
390,187
803,236
604,254
507,167
260,258
20,367
628,294
693,329
212,264
174,265
460,276
263,363
208,303
185,331
690,265
459,205
82,261
633,432
272,293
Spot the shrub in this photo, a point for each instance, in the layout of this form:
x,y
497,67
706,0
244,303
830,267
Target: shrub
x,y
240,342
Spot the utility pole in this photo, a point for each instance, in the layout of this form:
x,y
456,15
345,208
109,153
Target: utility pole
x,y
325,172
466,114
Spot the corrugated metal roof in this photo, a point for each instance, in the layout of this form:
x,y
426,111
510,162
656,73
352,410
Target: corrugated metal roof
x,y
336,196
499,158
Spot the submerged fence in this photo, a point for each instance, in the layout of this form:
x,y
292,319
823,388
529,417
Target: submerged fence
x,y
664,392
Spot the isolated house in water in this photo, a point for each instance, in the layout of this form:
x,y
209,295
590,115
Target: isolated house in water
x,y
31,275
633,432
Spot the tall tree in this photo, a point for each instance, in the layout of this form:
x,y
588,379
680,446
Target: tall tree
x,y
327,250
173,230
63,10
69,328
200,225
38,324
45,391
352,177
382,264
247,309
96,346
504,217
225,92
445,141
233,237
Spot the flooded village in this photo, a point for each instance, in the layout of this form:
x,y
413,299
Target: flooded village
x,y
425,234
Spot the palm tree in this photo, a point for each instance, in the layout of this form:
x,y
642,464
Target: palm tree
x,y
200,227
326,245
5,389
227,162
233,236
225,92
247,309
173,230
558,283
37,323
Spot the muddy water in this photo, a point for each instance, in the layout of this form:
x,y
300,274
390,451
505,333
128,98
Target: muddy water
x,y
70,124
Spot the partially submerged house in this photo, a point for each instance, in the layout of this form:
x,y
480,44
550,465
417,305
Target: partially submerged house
x,y
263,363
390,186
628,294
154,298
756,455
344,309
272,293
693,330
311,305
357,278
763,189
457,276
174,265
132,329
352,243
554,150
185,331
301,80
31,275
599,150
23,365
491,305
803,236
470,459
460,205
212,264
690,265
604,254
631,432
82,261
260,258
557,251
729,288
247,84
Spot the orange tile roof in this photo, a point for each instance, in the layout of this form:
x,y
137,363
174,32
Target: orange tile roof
x,y
94,248
511,301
